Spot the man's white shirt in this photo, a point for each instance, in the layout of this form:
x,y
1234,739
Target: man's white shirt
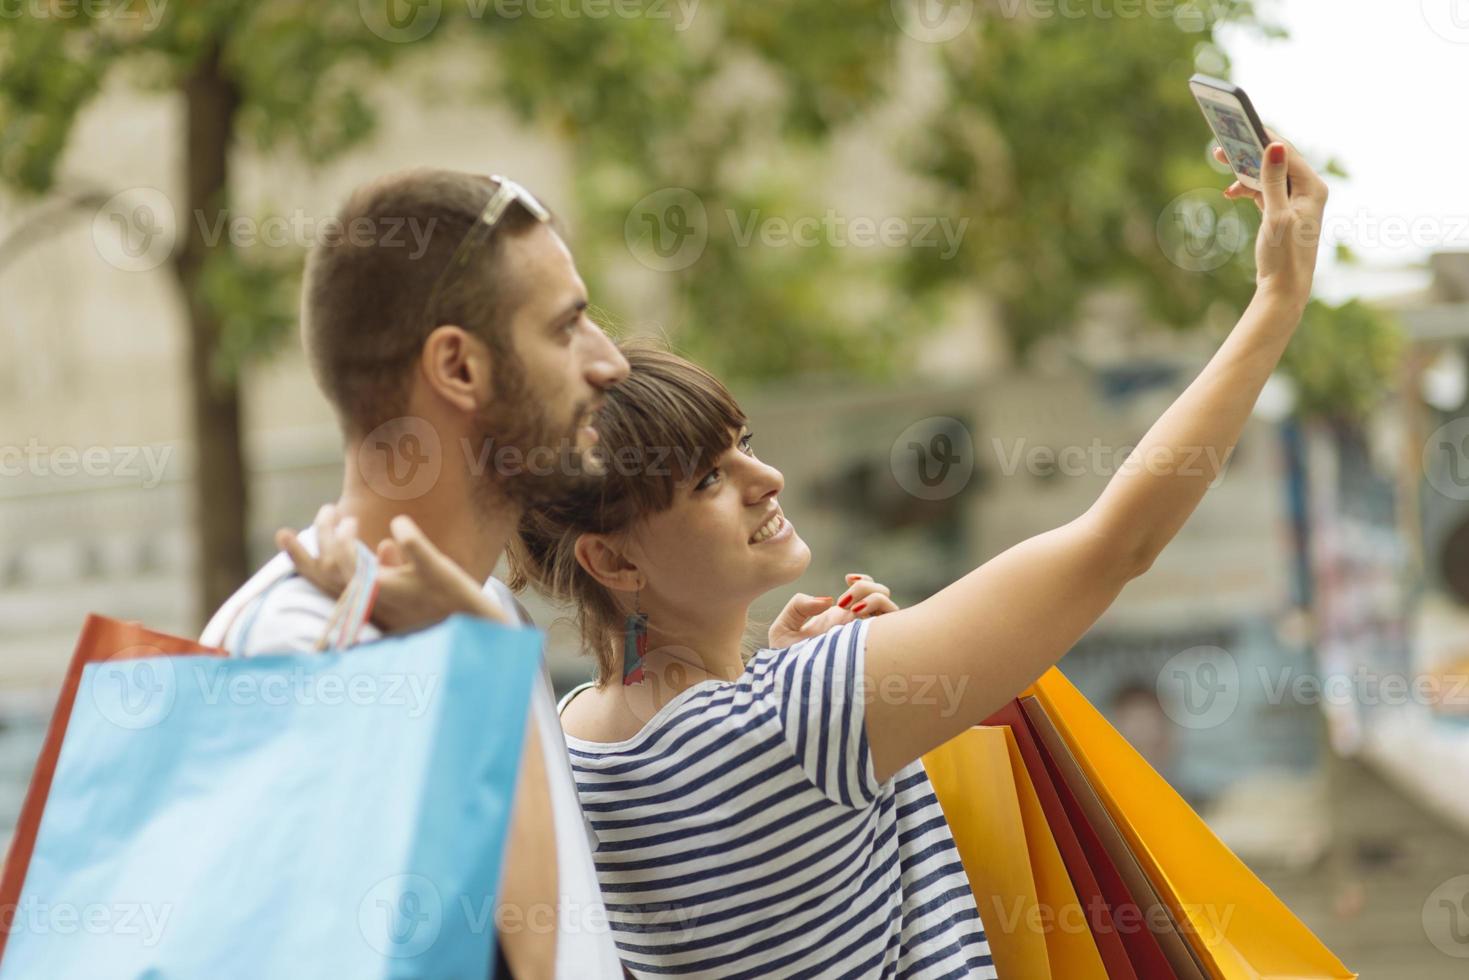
x,y
292,616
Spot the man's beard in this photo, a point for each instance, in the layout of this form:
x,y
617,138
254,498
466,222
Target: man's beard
x,y
528,458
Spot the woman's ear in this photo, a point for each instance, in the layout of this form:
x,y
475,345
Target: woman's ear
x,y
455,365
600,558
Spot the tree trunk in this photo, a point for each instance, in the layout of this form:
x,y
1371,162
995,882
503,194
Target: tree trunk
x,y
221,497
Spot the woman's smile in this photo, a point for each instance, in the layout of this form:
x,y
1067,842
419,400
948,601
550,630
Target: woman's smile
x,y
775,529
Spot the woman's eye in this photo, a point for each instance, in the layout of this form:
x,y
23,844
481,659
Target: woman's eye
x,y
713,475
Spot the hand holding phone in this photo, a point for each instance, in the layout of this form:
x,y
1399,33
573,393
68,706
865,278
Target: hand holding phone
x,y
1287,191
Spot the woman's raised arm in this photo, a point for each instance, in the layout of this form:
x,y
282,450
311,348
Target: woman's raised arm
x,y
996,630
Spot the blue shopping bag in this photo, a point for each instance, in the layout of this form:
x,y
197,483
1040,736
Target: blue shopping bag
x,y
312,815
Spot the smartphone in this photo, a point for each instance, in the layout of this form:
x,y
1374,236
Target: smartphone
x,y
1236,126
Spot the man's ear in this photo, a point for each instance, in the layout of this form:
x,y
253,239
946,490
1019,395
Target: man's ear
x,y
456,366
600,558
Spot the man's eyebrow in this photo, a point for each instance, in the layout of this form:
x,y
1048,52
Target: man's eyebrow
x,y
575,306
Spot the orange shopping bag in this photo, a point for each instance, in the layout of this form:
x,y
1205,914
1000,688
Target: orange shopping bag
x,y
1025,898
1239,929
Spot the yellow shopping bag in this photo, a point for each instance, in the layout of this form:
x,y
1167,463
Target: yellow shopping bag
x,y
1010,857
1243,931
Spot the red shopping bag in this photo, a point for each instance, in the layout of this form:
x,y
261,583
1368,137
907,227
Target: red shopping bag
x,y
1082,868
102,639
1152,935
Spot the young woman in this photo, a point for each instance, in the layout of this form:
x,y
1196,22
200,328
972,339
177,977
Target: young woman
x,y
767,815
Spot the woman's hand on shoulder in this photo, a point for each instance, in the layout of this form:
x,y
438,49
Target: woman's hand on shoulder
x,y
806,616
418,585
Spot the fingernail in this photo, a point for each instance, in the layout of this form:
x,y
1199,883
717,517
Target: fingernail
x,y
845,599
859,607
1277,153
823,598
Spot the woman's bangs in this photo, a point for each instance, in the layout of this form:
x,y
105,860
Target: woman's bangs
x,y
674,419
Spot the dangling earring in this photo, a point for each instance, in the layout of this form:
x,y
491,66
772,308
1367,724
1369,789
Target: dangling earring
x,y
634,643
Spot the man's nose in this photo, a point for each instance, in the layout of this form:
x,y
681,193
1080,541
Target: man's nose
x,y
607,366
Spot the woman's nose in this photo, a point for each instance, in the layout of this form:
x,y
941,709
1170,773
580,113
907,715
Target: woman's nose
x,y
765,481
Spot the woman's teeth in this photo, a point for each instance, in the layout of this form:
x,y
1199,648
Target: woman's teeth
x,y
771,527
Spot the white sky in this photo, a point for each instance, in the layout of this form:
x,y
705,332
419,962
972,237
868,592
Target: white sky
x,y
1383,86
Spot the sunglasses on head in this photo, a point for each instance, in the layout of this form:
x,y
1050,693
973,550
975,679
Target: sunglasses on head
x,y
507,192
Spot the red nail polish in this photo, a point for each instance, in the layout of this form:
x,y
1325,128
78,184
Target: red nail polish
x,y
1277,153
845,599
859,607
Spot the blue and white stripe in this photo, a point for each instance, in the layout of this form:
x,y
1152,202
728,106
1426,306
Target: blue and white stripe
x,y
742,833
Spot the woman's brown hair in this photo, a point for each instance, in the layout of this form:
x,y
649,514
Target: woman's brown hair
x,y
664,425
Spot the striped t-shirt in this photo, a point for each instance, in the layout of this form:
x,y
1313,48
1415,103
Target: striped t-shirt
x,y
743,833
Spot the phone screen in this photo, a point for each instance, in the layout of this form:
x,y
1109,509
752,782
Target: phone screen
x,y
1236,136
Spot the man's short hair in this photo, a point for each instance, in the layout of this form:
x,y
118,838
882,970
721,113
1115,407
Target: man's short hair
x,y
363,304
